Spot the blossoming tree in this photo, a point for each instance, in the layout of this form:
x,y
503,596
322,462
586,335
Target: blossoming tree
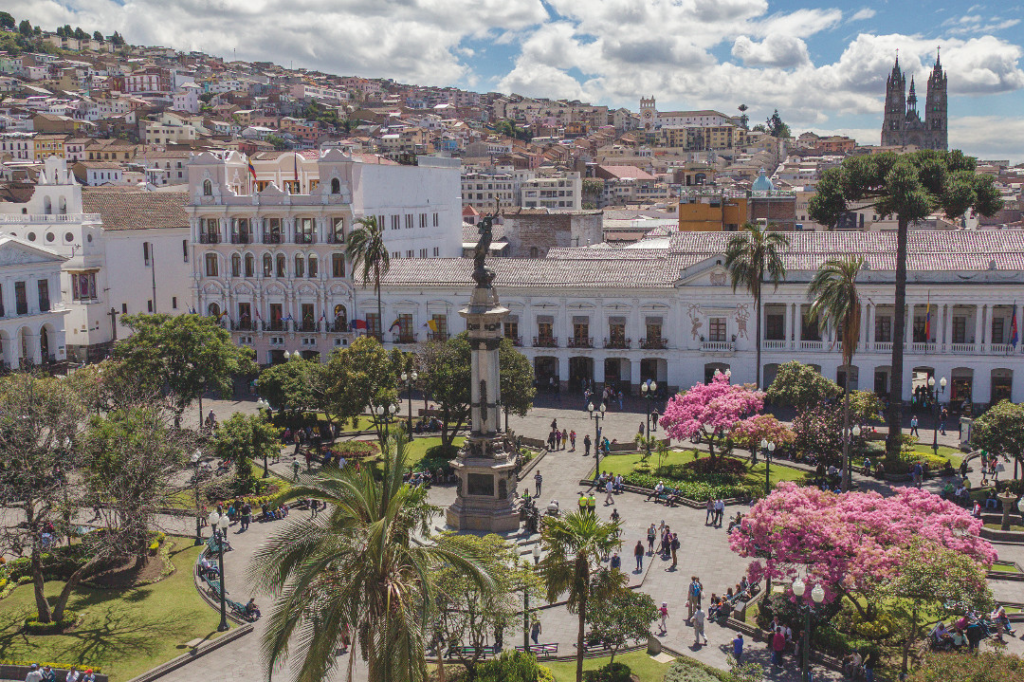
x,y
850,543
749,432
710,411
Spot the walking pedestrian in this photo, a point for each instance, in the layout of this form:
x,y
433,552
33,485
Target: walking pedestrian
x,y
295,469
913,427
558,439
737,648
652,533
638,554
674,544
538,479
586,445
246,516
943,417
693,595
663,612
572,440
620,400
719,511
778,646
698,626
535,631
565,439
609,488
709,508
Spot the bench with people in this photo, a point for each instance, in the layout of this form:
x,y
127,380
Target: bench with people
x,y
542,650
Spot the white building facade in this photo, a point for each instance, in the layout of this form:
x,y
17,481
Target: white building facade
x,y
270,251
31,312
623,316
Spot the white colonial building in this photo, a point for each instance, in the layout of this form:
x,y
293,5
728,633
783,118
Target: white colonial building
x,y
270,250
669,313
124,251
31,312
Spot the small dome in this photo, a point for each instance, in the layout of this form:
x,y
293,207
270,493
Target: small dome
x,y
762,184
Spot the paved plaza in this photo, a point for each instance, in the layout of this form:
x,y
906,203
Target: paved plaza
x,y
705,552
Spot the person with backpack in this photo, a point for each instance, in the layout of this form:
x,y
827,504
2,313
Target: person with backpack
x,y
693,596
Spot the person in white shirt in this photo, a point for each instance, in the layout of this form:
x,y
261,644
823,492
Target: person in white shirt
x,y
73,675
34,674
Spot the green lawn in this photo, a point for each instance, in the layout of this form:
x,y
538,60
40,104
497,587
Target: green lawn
x,y
417,449
623,464
642,665
125,632
954,455
1004,568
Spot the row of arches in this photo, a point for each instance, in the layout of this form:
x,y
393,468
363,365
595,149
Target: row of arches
x,y
26,347
62,206
270,266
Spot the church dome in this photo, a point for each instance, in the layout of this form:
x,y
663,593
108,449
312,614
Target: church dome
x,y
762,184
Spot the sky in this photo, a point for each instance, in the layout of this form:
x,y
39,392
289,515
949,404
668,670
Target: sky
x,y
822,65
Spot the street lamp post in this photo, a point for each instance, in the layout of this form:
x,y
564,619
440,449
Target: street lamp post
x,y
409,378
597,415
936,397
526,603
818,596
767,448
384,416
648,390
220,522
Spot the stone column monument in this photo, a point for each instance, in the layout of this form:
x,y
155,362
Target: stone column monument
x,y
485,465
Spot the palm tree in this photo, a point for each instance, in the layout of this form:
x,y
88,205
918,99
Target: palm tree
x,y
354,569
366,247
836,303
749,257
575,544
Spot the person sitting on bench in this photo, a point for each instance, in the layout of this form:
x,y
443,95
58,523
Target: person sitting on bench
x,y
252,611
207,568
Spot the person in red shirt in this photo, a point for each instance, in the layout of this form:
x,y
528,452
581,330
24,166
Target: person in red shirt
x,y
778,646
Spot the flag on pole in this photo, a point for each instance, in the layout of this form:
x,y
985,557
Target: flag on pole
x,y
252,169
433,325
258,317
359,324
1013,327
395,324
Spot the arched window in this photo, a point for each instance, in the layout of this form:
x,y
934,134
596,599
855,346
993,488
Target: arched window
x,y
250,265
340,318
213,310
63,203
47,206
236,265
300,266
335,186
282,267
533,252
268,265
207,188
313,270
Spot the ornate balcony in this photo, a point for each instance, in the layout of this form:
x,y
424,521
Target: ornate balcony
x,y
242,238
717,346
271,238
305,238
209,238
274,326
812,345
403,338
545,342
516,340
773,344
307,326
618,342
654,344
581,342
962,348
437,336
335,238
243,326
1000,349
883,346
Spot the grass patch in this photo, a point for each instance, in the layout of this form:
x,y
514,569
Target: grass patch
x,y
642,665
954,455
126,632
1014,526
417,449
1004,568
624,464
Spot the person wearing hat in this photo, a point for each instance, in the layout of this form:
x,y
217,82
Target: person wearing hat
x,y
592,504
583,502
89,676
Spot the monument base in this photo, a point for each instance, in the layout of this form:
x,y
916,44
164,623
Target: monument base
x,y
465,515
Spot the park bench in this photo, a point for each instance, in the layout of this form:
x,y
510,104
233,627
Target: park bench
x,y
239,609
471,650
545,650
214,587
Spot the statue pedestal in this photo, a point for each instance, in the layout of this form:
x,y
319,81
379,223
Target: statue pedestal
x,y
486,463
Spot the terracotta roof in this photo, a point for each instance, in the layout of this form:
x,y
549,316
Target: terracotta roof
x,y
128,208
622,172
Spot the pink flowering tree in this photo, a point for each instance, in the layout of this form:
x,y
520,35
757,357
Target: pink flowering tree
x,y
749,432
850,543
710,411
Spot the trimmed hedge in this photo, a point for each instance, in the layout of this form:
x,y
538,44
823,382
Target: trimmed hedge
x,y
355,449
613,672
437,456
694,490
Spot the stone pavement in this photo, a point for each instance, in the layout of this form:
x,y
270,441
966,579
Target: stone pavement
x,y
705,553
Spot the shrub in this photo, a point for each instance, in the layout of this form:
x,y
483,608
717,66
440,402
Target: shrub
x,y
695,490
613,672
355,449
437,456
511,666
719,465
689,670
34,627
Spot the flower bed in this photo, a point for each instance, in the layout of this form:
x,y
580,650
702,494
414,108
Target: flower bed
x,y
355,449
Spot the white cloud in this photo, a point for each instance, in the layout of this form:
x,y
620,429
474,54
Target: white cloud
x,y
775,50
863,14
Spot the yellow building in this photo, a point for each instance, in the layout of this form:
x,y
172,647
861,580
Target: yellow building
x,y
44,146
711,210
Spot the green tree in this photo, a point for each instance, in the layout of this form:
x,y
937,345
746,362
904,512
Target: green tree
x,y
910,187
7,21
280,144
289,386
128,454
80,34
800,385
775,127
517,389
626,616
242,439
575,544
355,568
929,580
1000,431
865,406
117,39
469,613
188,354
39,422
836,305
447,370
366,247
750,257
97,36
25,28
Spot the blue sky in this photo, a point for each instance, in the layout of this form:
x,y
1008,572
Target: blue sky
x,y
823,65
